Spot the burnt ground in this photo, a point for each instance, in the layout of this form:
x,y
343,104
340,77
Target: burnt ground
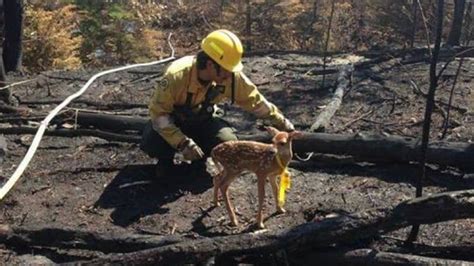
x,y
77,183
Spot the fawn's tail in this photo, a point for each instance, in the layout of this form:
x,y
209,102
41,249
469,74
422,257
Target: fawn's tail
x,y
214,168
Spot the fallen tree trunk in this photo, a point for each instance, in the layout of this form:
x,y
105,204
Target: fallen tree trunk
x,y
338,230
378,148
9,109
362,146
325,116
373,257
132,138
98,104
104,121
63,238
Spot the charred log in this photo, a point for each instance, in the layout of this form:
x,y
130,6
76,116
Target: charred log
x,y
98,104
374,257
343,229
377,148
63,238
9,109
106,122
362,146
73,133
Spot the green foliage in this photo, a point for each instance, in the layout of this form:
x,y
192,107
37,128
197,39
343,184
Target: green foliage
x,y
60,35
108,32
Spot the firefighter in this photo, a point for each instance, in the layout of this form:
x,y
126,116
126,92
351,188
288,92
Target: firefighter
x,y
183,106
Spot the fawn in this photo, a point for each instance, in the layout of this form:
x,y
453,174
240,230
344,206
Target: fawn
x,y
231,158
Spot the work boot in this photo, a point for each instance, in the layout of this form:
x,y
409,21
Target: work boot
x,y
164,168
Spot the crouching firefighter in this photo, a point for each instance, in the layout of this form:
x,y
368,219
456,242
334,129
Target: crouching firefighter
x,y
183,106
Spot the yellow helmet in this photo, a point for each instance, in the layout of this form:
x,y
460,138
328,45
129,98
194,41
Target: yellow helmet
x,y
225,48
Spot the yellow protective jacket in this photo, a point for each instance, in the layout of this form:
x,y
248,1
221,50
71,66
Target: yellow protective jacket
x,y
181,78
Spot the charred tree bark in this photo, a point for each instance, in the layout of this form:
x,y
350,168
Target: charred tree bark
x,y
378,148
8,109
373,257
428,112
73,133
454,36
63,238
331,231
368,147
98,104
372,147
13,12
322,122
114,123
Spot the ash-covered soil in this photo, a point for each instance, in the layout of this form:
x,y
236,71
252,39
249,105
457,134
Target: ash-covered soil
x,y
87,183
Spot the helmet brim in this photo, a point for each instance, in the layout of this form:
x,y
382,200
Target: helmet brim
x,y
237,68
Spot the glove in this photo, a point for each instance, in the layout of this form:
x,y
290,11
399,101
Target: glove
x,y
190,150
288,126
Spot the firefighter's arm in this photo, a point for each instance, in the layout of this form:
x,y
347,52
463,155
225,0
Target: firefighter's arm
x,y
161,106
249,98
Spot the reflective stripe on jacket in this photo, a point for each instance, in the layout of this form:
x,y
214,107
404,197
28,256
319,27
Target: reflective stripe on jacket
x,y
180,78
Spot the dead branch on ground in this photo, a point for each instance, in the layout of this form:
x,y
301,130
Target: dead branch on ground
x,y
325,116
342,229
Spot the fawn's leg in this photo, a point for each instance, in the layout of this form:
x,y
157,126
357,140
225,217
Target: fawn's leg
x,y
261,197
275,187
224,187
217,180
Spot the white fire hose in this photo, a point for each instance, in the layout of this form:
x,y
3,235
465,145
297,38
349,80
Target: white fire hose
x,y
42,128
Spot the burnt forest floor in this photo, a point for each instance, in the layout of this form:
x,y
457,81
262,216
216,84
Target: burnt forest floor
x,y
87,183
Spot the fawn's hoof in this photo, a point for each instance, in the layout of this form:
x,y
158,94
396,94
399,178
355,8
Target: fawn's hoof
x,y
261,225
217,204
280,210
234,223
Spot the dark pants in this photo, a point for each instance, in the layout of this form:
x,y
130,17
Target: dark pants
x,y
206,134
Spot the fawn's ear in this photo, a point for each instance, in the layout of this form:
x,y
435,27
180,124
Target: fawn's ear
x,y
296,134
272,131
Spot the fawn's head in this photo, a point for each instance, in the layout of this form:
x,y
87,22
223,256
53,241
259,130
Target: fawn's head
x,y
282,140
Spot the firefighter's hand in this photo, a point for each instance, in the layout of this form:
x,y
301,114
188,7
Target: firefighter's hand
x,y
190,150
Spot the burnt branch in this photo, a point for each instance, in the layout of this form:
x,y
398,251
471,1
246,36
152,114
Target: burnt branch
x,y
325,116
342,229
